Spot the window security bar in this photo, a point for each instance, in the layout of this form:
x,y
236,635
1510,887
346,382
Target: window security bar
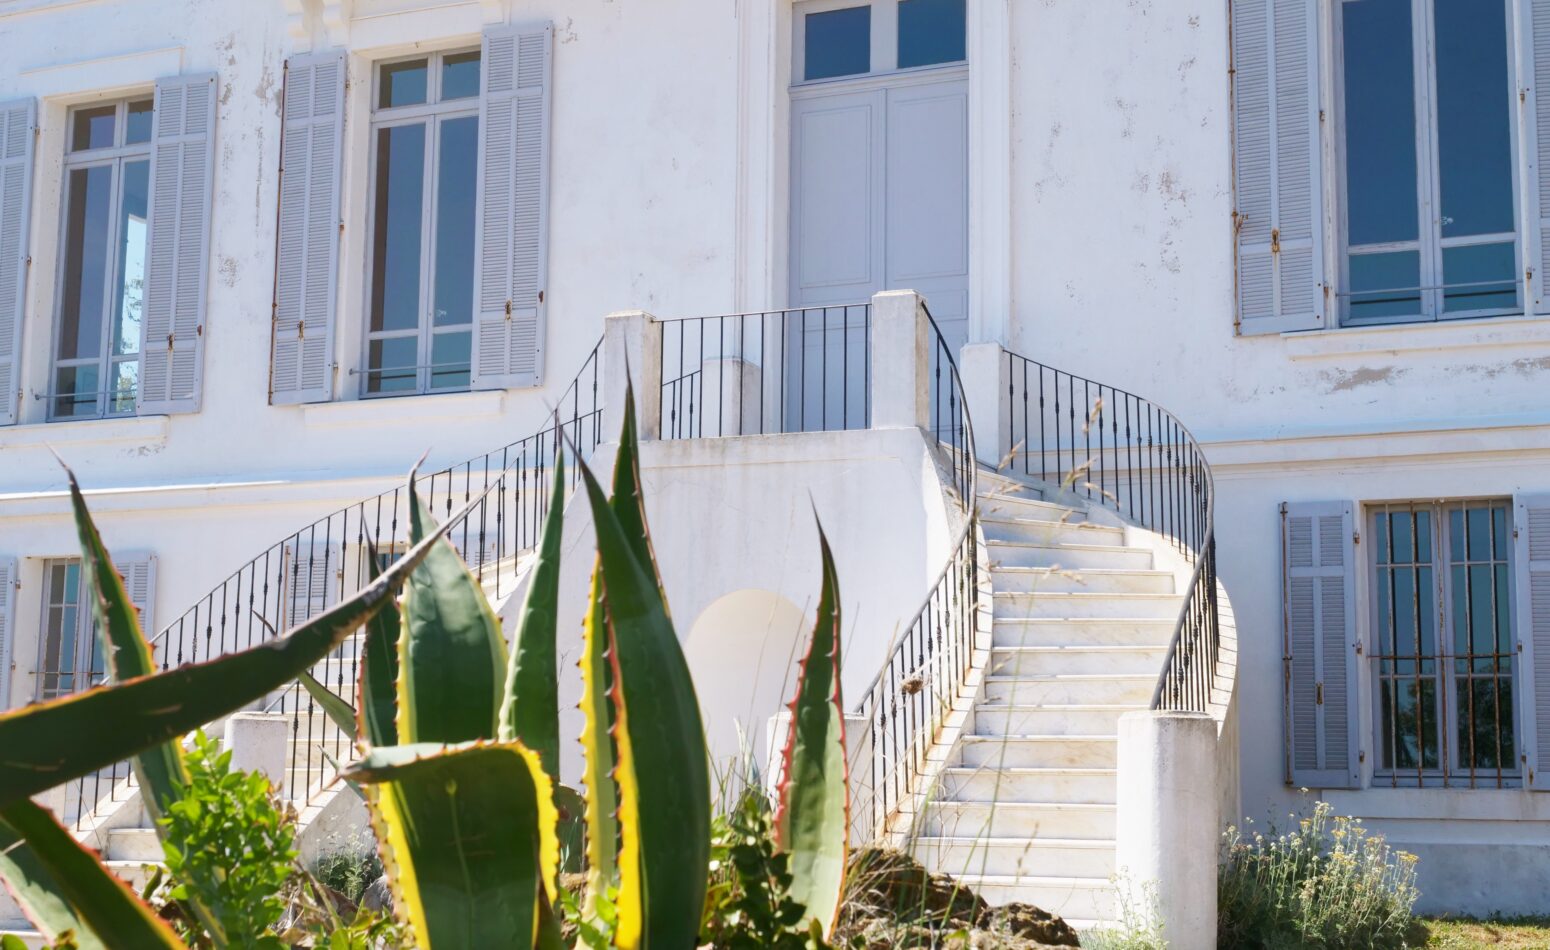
x,y
78,395
1506,282
456,367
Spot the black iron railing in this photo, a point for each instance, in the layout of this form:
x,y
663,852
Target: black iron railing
x,y
1137,458
800,370
928,663
311,569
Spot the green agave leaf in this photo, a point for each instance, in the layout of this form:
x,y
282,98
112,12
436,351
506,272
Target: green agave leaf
x,y
341,712
49,743
61,885
160,769
813,819
378,685
530,708
469,835
598,754
451,655
663,769
628,501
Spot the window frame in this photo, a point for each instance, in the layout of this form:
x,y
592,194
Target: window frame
x,y
884,41
84,653
115,157
1429,246
431,113
1450,773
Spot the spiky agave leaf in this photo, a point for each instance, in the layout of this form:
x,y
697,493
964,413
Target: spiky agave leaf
x,y
340,712
62,886
469,833
813,819
598,754
530,706
49,743
377,702
451,655
663,770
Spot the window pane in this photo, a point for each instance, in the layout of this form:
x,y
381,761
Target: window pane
x,y
391,365
1485,734
456,173
931,31
129,299
1379,122
91,128
88,217
138,126
123,386
401,84
1480,277
449,360
838,43
395,266
1474,103
1385,285
76,390
460,76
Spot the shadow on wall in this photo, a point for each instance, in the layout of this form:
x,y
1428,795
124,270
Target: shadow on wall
x,y
743,651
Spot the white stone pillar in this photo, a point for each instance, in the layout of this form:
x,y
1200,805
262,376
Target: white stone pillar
x,y
983,368
1166,823
256,741
632,351
901,361
729,397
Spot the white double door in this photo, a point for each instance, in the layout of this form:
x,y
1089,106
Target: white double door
x,y
879,201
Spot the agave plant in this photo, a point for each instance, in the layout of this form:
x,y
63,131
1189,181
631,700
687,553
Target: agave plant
x,y
459,746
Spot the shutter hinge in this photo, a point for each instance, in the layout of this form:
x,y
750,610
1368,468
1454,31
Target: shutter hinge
x,y
1361,755
1523,94
1318,694
1358,648
1356,537
1275,240
508,310
1321,116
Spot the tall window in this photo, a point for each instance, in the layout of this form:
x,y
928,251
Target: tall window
x,y
1443,646
425,138
836,39
102,280
68,659
1427,174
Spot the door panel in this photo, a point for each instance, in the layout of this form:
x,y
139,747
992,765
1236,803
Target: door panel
x,y
836,144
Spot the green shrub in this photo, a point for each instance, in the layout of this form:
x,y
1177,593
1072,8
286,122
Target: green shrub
x,y
1327,883
348,872
748,902
229,846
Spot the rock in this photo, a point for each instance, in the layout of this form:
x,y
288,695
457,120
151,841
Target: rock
x,y
378,896
1025,920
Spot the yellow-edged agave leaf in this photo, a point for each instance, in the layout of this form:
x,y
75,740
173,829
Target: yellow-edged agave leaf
x,y
530,706
49,743
451,655
663,769
61,886
377,689
469,833
598,754
813,819
341,713
160,769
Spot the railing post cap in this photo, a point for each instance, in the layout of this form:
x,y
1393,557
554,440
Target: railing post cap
x,y
629,315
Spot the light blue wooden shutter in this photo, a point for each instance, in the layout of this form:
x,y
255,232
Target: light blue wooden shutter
x,y
513,207
1534,75
139,573
18,120
1319,645
7,627
314,577
182,169
1277,173
307,261
1531,564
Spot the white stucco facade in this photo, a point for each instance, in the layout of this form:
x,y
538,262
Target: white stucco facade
x,y
1100,175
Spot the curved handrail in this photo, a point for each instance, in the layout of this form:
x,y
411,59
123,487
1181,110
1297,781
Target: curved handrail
x,y
927,662
1154,472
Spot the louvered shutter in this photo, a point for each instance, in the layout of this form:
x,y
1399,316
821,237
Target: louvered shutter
x,y
1531,565
7,627
313,578
139,573
513,208
1278,185
18,120
1535,117
1319,644
307,261
182,168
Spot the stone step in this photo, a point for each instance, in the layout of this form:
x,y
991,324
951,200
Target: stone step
x,y
1078,658
1003,505
1018,821
1079,898
1034,751
134,845
1077,857
133,873
1076,555
1081,580
1084,631
1070,688
1053,532
1056,604
1078,786
1065,720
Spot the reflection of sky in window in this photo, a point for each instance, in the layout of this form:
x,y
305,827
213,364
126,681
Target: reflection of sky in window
x,y
396,264
1473,103
1379,122
132,250
930,32
837,43
457,173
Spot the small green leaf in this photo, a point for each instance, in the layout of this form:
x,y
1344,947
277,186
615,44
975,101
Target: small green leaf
x,y
530,707
61,885
341,712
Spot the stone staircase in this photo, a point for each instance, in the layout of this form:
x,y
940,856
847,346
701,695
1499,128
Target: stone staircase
x,y
1023,808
